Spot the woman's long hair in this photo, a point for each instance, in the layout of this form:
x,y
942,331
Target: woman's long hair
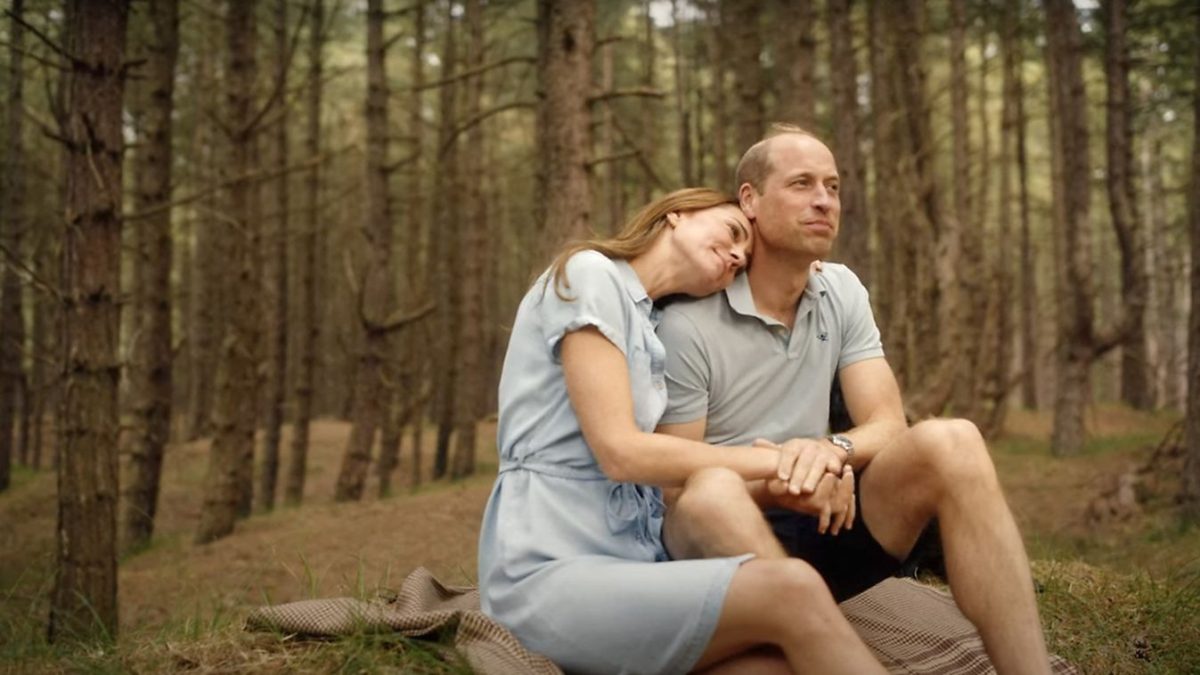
x,y
639,232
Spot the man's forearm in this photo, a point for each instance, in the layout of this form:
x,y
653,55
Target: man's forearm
x,y
871,437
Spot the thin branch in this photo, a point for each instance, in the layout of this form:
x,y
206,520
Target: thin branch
x,y
471,72
217,187
279,81
28,274
54,46
401,318
647,92
480,117
641,155
612,158
36,57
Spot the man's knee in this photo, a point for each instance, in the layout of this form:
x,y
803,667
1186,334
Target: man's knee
x,y
951,451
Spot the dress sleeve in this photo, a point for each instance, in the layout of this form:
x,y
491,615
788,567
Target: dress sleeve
x,y
596,297
688,370
861,335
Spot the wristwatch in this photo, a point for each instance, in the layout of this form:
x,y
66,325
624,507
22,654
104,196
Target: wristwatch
x,y
844,443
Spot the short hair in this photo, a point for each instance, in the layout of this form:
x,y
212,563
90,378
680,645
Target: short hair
x,y
755,165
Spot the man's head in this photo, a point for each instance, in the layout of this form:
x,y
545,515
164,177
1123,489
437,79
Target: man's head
x,y
788,184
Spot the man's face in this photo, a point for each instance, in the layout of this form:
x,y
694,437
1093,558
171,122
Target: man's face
x,y
799,210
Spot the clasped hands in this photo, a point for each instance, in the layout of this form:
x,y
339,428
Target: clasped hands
x,y
813,478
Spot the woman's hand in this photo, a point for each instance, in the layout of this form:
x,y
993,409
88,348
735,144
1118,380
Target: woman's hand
x,y
803,462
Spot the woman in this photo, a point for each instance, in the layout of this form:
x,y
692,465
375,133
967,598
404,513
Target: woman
x,y
571,557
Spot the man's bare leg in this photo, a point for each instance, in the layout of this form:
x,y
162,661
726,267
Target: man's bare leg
x,y
942,468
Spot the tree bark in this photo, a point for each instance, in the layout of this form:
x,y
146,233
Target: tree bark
x,y
473,244
1080,341
1028,256
421,225
565,76
855,245
377,297
150,370
741,19
448,255
308,333
683,113
12,229
1191,471
237,393
718,49
209,312
1122,202
83,603
276,267
797,48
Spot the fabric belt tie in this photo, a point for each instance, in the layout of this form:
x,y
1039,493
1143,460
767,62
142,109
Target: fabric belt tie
x,y
628,506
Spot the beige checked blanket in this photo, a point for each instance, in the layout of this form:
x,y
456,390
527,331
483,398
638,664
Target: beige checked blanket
x,y
911,627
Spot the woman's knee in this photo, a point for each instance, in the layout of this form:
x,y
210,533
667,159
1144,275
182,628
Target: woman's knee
x,y
711,492
794,588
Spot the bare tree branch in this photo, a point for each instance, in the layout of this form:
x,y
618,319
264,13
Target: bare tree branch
x,y
483,115
647,92
471,72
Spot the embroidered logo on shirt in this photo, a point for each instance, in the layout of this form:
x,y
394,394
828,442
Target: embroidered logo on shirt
x,y
823,337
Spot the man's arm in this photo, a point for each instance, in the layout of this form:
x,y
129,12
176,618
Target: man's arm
x,y
873,399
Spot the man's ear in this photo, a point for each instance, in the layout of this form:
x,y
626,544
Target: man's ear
x,y
747,199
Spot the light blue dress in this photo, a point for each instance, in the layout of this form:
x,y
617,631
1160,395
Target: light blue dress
x,y
569,561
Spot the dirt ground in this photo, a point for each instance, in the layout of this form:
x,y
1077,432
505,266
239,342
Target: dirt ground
x,y
319,549
325,549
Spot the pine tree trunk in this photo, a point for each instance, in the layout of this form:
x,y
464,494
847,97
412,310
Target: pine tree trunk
x,y
566,78
854,247
683,114
797,51
1028,258
150,370
209,312
718,51
12,228
1075,323
471,381
237,383
83,603
1191,471
444,251
308,333
276,264
1122,202
377,297
421,226
997,389
741,19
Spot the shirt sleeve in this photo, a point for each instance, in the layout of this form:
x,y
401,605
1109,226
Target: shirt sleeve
x,y
688,369
596,297
861,340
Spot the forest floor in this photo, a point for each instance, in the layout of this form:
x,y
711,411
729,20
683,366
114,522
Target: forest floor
x,y
1118,594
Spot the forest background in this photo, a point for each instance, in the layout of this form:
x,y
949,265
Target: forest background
x,y
224,224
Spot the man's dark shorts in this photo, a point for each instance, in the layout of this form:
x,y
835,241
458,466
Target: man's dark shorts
x,y
850,563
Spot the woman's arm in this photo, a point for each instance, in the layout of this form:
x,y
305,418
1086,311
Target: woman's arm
x,y
598,384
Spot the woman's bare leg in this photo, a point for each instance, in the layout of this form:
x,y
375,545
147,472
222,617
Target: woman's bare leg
x,y
786,603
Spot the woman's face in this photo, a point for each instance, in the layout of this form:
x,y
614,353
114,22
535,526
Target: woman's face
x,y
716,242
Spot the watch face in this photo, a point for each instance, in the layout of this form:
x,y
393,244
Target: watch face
x,y
842,442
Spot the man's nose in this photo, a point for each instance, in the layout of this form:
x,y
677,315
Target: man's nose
x,y
823,199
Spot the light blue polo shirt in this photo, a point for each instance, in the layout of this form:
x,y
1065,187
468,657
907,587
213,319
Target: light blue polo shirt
x,y
752,377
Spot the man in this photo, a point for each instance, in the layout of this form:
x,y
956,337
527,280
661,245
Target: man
x,y
758,361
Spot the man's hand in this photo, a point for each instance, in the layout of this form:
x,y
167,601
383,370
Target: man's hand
x,y
832,503
803,462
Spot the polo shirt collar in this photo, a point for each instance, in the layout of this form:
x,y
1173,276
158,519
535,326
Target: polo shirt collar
x,y
741,300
